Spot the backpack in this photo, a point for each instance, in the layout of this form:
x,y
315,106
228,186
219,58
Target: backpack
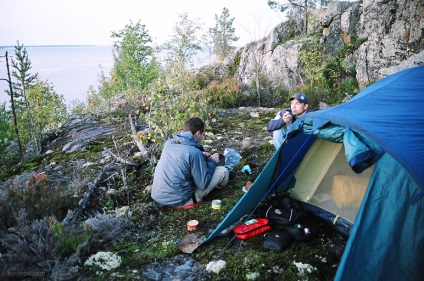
x,y
283,213
277,241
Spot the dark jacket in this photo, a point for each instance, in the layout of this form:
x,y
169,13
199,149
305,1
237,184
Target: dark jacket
x,y
276,124
182,167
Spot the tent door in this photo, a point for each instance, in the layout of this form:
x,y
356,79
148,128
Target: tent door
x,y
325,180
313,168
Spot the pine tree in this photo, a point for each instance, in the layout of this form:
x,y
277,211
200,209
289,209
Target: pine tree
x,y
22,65
38,106
223,34
297,9
13,107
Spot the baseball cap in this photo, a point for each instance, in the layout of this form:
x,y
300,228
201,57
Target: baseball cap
x,y
300,97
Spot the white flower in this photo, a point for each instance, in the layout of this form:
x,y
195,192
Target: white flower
x,y
105,260
215,266
323,259
304,268
252,276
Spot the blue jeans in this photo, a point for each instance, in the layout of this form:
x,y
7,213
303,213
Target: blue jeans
x,y
278,137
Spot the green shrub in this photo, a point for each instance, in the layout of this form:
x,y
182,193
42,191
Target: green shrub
x,y
38,197
236,63
68,240
224,95
271,94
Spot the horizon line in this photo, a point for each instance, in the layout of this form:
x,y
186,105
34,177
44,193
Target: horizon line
x,y
66,45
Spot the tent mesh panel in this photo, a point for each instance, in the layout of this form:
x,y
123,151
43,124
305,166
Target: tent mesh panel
x,y
325,180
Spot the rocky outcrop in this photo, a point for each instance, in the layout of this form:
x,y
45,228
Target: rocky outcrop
x,y
392,29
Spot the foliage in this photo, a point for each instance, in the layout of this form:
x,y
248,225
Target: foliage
x,y
185,42
297,9
135,66
44,109
21,67
17,91
6,129
224,95
102,98
9,153
327,77
31,249
37,196
312,59
235,64
168,96
290,4
174,98
168,112
68,240
223,34
258,66
78,107
135,69
272,93
38,107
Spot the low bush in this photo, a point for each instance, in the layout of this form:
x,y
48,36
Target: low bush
x,y
37,195
224,95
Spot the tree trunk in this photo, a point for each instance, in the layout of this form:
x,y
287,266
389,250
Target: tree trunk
x,y
12,104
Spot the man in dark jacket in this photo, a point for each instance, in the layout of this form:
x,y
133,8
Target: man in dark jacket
x,y
185,173
285,118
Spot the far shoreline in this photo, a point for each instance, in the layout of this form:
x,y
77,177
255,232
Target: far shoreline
x,y
55,46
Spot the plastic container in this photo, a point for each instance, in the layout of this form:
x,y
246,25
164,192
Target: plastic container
x,y
192,225
216,204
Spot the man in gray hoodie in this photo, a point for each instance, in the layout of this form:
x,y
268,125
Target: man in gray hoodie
x,y
186,173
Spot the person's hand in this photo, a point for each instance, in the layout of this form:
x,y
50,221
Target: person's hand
x,y
287,117
215,157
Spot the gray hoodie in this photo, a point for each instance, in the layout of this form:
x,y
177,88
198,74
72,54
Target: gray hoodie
x,y
181,168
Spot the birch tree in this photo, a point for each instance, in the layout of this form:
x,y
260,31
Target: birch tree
x,y
223,34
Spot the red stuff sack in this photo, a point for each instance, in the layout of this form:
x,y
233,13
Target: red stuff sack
x,y
251,228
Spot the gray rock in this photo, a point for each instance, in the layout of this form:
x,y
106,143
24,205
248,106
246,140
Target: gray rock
x,y
393,31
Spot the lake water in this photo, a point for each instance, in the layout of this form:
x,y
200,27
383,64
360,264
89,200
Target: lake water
x,y
71,69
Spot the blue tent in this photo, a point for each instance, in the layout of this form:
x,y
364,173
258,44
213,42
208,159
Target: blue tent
x,y
359,165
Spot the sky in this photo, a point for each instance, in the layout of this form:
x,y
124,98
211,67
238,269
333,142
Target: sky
x,y
90,22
